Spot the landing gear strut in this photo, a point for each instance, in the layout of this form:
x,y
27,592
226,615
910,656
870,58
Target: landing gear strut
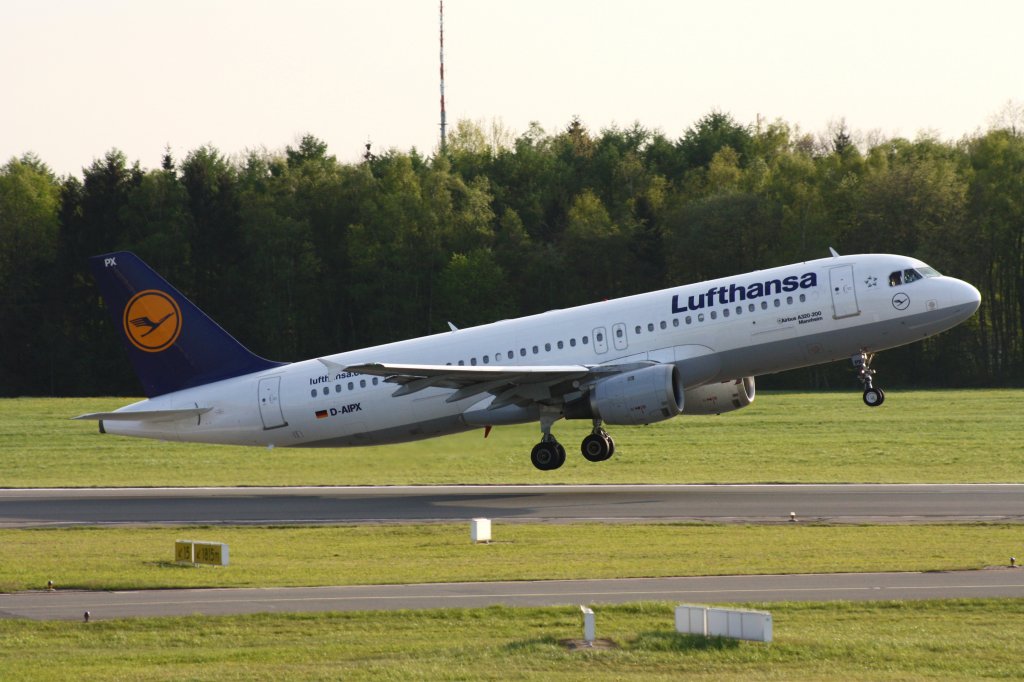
x,y
598,446
873,397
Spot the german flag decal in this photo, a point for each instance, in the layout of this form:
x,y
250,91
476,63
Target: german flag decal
x,y
321,414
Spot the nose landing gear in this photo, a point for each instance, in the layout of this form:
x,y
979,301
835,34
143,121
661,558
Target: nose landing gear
x,y
873,397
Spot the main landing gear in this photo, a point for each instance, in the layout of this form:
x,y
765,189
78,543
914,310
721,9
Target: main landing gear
x,y
873,397
549,454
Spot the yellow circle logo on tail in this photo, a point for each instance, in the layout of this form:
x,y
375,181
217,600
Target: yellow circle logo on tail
x,y
152,321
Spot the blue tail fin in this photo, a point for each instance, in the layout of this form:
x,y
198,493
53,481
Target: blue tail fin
x,y
172,344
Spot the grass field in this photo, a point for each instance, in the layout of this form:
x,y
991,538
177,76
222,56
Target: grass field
x,y
916,436
853,641
137,558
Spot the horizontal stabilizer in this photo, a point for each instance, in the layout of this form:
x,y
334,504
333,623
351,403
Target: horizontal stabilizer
x,y
146,415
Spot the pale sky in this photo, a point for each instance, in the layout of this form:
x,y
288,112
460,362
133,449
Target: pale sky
x,y
80,77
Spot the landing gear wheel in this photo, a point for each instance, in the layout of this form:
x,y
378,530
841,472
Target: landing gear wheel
x,y
547,456
873,397
597,447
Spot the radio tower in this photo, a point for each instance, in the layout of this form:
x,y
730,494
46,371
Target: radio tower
x,y
443,124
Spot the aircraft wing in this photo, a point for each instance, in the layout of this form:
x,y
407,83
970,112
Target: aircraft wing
x,y
509,384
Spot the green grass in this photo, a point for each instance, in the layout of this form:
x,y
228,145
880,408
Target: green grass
x,y
916,436
137,558
961,639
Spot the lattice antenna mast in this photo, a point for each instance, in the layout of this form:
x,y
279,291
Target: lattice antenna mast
x,y
443,122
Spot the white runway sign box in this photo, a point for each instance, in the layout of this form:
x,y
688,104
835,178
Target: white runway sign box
x,y
754,626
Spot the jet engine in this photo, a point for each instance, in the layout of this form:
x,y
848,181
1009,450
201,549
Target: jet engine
x,y
642,396
718,398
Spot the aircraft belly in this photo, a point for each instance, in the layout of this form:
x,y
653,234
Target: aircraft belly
x,y
393,434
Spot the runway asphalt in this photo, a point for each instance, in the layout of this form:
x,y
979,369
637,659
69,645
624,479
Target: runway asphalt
x,y
26,508
22,508
722,589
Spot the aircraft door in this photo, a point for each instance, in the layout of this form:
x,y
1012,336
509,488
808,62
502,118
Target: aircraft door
x,y
270,403
844,295
600,341
619,337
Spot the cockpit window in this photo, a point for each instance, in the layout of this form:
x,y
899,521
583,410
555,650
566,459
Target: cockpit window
x,y
911,275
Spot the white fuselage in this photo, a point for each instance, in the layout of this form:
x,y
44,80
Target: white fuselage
x,y
757,323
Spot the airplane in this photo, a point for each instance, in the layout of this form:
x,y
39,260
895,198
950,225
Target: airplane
x,y
694,349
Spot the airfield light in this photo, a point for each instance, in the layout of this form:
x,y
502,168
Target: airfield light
x,y
1013,562
792,517
85,617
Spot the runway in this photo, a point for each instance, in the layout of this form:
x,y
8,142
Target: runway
x,y
859,503
719,589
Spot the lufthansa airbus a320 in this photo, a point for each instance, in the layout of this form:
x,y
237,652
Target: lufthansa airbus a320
x,y
693,349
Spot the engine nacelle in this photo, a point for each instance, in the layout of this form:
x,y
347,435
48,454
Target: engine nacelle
x,y
718,398
643,396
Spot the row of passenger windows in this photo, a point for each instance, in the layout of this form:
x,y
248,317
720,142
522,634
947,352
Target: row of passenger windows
x,y
337,387
585,340
620,332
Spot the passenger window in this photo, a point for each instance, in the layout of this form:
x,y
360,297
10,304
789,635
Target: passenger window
x,y
764,305
725,313
714,315
637,330
362,383
896,279
337,388
700,317
472,361
663,325
511,355
778,303
561,345
312,394
536,350
803,297
351,385
585,340
750,307
572,342
462,363
789,300
739,310
486,360
547,347
375,381
522,352
675,321
689,319
326,390
650,326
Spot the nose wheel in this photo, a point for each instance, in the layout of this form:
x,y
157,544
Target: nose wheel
x,y
873,397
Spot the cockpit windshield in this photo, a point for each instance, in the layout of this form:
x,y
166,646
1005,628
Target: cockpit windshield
x,y
911,275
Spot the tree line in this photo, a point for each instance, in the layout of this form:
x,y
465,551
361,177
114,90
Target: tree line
x,y
298,255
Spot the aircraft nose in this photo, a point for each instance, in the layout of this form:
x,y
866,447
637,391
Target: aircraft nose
x,y
969,295
963,297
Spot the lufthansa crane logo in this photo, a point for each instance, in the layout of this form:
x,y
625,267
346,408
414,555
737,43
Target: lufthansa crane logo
x,y
152,320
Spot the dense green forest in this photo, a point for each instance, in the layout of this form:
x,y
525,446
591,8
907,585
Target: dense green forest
x,y
298,254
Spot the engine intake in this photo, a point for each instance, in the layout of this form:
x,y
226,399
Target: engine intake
x,y
642,396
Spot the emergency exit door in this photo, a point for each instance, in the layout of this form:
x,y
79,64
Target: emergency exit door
x,y
270,403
